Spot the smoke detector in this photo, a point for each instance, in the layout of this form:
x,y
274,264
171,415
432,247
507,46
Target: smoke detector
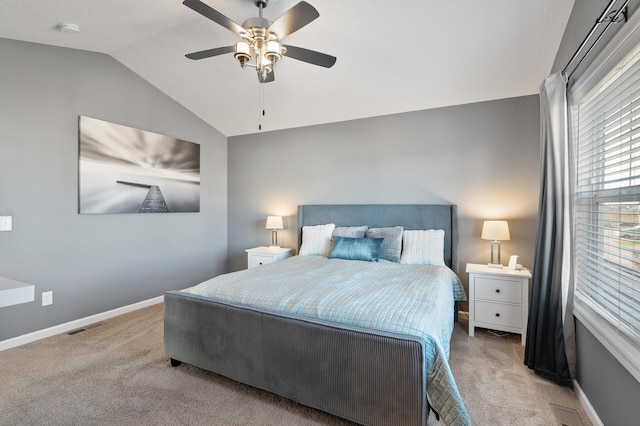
x,y
68,28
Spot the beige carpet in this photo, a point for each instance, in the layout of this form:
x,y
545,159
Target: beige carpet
x,y
117,374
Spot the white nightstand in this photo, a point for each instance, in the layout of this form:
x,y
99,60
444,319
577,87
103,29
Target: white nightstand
x,y
498,299
264,255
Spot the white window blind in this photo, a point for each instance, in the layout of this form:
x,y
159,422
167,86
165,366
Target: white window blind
x,y
607,205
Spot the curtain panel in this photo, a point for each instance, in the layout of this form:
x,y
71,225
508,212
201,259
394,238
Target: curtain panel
x,y
550,344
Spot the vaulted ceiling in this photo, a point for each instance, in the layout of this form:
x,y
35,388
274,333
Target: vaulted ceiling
x,y
393,57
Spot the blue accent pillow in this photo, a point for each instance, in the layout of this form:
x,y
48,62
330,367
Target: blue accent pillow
x,y
366,249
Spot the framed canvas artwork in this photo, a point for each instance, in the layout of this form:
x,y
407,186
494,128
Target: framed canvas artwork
x,y
127,170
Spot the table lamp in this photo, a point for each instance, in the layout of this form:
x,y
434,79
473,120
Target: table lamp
x,y
495,230
274,223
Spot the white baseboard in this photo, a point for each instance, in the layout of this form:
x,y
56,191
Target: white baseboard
x,y
586,405
72,325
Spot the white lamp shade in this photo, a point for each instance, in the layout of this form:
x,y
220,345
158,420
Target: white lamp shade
x,y
496,230
274,222
242,48
273,51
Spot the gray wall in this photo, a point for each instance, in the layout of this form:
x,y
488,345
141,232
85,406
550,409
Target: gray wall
x,y
482,157
611,389
93,263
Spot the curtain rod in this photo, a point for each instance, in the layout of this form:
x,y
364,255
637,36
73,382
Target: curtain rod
x,y
605,17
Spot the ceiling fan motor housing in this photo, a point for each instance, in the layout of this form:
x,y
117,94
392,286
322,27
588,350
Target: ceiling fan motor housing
x,y
257,27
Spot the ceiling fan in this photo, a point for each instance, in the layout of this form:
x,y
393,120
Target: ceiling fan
x,y
260,47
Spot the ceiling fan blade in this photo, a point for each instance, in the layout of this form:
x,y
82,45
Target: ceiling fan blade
x,y
217,17
293,19
210,52
310,56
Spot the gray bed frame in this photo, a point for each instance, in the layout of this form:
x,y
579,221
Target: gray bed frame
x,y
366,376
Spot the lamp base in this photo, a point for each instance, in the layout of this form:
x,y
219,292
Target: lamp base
x,y
494,264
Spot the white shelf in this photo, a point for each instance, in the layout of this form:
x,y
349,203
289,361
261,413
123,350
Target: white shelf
x,y
14,292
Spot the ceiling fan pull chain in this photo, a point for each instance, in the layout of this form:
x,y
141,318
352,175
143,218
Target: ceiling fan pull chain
x,y
260,105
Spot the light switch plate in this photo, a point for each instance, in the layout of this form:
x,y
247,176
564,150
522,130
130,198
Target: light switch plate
x,y
5,223
47,298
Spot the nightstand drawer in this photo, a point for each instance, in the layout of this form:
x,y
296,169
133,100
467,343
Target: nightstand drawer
x,y
258,260
498,314
498,290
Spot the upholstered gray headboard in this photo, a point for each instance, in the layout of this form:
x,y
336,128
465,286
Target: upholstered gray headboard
x,y
411,216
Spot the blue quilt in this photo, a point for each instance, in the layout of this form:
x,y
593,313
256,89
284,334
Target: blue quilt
x,y
407,299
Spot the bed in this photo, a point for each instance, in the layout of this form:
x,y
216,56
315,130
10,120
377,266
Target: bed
x,y
342,361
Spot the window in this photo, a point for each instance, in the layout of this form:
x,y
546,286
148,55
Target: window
x,y
607,210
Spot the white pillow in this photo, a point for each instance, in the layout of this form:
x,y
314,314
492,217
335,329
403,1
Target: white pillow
x,y
423,247
316,239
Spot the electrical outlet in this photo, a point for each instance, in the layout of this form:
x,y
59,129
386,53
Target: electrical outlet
x,y
47,298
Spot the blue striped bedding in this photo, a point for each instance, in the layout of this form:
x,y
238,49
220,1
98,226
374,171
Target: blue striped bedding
x,y
408,299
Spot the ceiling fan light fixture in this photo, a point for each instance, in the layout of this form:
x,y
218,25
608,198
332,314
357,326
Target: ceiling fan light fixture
x,y
273,52
242,53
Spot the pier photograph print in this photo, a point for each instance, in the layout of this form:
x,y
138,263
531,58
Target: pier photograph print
x,y
127,170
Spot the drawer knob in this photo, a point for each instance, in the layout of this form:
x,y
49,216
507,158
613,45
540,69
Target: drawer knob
x,y
497,290
261,263
497,314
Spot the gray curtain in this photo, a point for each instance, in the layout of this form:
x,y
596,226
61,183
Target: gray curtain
x,y
550,344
